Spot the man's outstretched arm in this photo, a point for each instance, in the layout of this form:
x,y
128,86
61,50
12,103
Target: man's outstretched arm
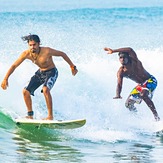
x,y
128,50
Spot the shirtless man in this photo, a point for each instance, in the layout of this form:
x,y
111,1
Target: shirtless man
x,y
133,69
46,75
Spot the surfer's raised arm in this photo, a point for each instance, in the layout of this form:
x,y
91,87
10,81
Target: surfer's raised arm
x,y
127,50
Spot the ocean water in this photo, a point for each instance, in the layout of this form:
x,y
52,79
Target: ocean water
x,y
82,29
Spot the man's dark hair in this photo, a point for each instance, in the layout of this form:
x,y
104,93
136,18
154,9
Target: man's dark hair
x,y
124,54
31,38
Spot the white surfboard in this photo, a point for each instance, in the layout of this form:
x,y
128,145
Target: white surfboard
x,y
52,124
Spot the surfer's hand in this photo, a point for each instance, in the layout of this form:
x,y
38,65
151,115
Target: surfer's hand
x,y
110,51
4,84
117,97
74,70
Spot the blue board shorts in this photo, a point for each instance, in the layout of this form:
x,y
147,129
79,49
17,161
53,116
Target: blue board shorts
x,y
45,78
149,85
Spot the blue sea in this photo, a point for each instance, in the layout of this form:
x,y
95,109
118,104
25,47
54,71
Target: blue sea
x,y
81,29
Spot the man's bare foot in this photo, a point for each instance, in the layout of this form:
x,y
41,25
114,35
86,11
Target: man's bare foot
x,y
157,118
48,118
29,117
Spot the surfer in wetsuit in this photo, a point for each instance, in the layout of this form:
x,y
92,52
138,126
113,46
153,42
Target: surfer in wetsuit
x,y
133,69
46,75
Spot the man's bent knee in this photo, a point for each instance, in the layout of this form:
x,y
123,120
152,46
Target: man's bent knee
x,y
130,105
45,90
26,92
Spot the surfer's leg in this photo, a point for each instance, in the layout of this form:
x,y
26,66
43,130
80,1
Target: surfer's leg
x,y
28,102
133,98
130,104
47,86
28,91
48,99
150,104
